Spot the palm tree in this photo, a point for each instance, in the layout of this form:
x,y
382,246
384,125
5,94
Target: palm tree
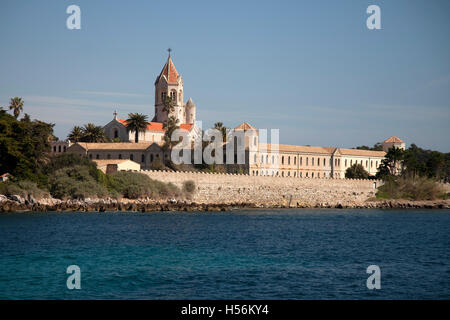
x,y
219,126
169,105
16,104
93,133
136,122
76,135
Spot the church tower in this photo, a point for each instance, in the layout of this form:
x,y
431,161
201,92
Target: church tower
x,y
169,83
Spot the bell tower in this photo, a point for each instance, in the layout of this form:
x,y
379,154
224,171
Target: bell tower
x,y
169,84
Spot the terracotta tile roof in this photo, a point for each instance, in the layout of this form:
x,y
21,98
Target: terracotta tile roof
x,y
169,72
305,149
111,161
115,146
158,126
364,153
394,139
245,126
323,150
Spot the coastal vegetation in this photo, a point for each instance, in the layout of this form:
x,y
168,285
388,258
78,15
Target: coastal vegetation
x,y
414,174
24,153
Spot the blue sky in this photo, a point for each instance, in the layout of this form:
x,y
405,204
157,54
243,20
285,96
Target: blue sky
x,y
310,68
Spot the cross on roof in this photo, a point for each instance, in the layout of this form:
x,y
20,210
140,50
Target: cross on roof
x,y
169,50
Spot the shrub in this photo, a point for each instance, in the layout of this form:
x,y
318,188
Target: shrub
x,y
24,189
134,185
75,182
189,186
411,188
356,171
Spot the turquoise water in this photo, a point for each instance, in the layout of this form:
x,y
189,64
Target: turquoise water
x,y
246,254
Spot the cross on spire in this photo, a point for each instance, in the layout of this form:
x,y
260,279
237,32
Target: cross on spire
x,y
115,114
169,50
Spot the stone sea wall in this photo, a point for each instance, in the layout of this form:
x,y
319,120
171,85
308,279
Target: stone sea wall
x,y
271,191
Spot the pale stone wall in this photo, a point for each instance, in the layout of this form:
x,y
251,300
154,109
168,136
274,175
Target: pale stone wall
x,y
264,190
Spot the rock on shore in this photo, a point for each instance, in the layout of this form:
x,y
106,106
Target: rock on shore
x,y
19,204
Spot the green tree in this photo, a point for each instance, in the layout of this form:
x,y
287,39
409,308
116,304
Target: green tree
x,y
16,105
356,171
138,123
170,125
93,133
219,126
24,146
392,164
169,105
76,135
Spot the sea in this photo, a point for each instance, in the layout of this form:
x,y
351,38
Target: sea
x,y
239,254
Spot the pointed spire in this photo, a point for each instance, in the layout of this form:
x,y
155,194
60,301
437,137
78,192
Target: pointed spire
x,y
169,71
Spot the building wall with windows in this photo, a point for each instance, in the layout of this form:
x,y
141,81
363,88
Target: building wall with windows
x,y
145,154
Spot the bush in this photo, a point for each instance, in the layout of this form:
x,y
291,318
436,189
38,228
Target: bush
x,y
75,182
411,188
356,171
135,185
24,189
189,186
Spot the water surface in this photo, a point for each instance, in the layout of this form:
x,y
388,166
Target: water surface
x,y
246,254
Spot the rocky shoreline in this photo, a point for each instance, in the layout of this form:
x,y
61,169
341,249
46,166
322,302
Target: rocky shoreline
x,y
18,204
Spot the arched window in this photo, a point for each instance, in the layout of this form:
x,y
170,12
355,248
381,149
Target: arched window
x,y
173,95
59,148
351,162
324,162
131,157
282,173
116,133
307,174
301,174
262,159
289,160
151,157
295,161
108,156
371,163
367,163
54,148
312,175
312,161
295,174
289,173
142,158
307,162
267,158
64,148
120,156
90,156
345,162
97,156
282,160
301,160
163,96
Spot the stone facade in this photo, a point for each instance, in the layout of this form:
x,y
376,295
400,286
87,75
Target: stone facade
x,y
268,190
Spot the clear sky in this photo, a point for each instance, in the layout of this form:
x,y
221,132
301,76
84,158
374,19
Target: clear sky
x,y
310,68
